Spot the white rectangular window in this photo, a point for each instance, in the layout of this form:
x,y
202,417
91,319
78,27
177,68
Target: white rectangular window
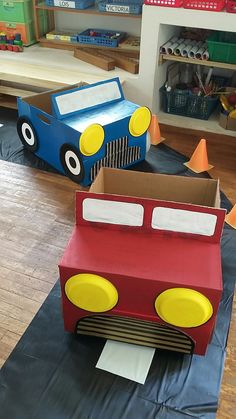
x,y
113,212
87,98
183,221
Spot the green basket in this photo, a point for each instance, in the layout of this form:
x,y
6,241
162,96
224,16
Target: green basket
x,y
222,47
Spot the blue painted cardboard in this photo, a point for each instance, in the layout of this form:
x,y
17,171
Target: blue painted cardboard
x,y
50,125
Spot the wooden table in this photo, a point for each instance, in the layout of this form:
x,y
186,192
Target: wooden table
x,y
36,219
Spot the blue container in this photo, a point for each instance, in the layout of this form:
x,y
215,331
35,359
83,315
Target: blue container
x,y
121,6
70,4
101,37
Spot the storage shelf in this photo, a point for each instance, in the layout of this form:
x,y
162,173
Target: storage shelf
x,y
168,57
58,44
159,24
210,125
89,10
51,43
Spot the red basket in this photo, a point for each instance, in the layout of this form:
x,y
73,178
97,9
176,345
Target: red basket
x,y
210,5
230,6
165,3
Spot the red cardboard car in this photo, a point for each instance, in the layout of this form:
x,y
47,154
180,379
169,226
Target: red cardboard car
x,y
143,264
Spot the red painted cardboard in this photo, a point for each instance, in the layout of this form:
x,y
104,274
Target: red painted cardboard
x,y
141,261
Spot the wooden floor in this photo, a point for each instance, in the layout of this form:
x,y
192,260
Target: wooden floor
x,y
221,153
36,218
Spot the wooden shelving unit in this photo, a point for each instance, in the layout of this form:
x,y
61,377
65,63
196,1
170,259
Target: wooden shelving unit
x,y
169,57
159,24
39,6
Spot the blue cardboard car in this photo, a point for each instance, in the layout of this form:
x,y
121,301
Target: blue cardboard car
x,y
81,129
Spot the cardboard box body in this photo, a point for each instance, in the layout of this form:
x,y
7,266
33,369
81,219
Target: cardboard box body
x,y
146,234
80,129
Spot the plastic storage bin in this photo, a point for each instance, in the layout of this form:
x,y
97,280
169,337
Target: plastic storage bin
x,y
183,102
210,5
103,38
230,6
75,4
121,6
222,47
165,3
20,11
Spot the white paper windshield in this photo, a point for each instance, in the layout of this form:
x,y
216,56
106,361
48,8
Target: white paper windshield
x,y
183,221
113,212
87,98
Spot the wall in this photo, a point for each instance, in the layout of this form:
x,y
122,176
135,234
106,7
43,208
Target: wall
x,y
78,22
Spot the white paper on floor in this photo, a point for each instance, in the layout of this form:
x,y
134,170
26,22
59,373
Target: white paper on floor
x,y
127,360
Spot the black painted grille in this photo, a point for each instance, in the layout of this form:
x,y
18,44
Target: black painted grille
x,y
118,154
135,331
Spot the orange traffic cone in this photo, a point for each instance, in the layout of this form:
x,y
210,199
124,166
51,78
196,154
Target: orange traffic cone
x,y
199,160
154,131
231,217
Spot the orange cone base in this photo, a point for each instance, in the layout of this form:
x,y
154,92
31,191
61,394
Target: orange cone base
x,y
228,222
209,167
230,218
159,141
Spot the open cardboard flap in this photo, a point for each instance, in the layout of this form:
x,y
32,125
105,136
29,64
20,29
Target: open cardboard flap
x,y
197,191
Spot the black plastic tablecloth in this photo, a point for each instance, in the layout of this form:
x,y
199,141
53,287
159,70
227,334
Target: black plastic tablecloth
x,y
51,374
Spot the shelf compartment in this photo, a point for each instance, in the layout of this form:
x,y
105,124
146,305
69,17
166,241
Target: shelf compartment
x,y
168,57
210,125
89,10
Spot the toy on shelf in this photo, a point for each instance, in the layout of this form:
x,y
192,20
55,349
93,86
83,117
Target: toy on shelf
x,y
11,42
100,37
62,36
186,48
228,108
143,264
81,129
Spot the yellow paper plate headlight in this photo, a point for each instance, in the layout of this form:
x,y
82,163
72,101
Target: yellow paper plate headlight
x,y
91,139
183,307
91,292
139,121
